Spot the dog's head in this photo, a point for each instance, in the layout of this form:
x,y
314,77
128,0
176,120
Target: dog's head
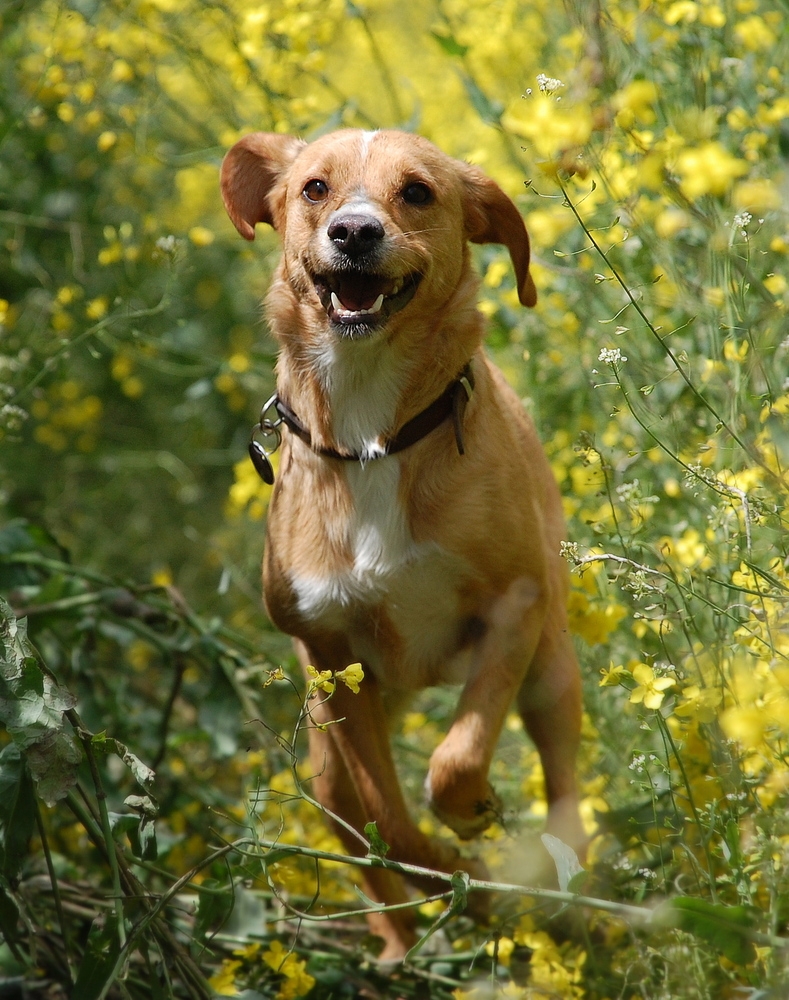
x,y
372,223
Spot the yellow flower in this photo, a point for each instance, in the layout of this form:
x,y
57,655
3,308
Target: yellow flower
x,y
637,98
708,169
200,236
162,577
275,956
97,308
775,284
106,141
320,681
683,10
756,195
352,676
298,982
551,128
650,688
734,352
224,980
699,703
754,34
612,677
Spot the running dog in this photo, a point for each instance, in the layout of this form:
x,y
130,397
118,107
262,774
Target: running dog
x,y
415,525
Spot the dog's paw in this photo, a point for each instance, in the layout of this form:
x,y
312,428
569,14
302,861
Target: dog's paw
x,y
472,820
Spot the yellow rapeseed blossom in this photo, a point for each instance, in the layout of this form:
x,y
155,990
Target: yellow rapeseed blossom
x,y
298,982
106,141
223,982
708,169
249,494
351,676
635,103
97,308
201,236
699,704
757,195
612,677
551,128
651,690
320,680
754,34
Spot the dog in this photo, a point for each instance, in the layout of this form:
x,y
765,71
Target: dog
x,y
415,524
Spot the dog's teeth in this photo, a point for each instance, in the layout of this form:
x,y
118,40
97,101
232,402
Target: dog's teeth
x,y
338,307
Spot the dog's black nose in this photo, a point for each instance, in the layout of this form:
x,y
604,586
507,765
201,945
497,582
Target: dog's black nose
x,y
355,234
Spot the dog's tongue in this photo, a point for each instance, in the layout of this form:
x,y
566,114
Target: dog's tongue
x,y
359,291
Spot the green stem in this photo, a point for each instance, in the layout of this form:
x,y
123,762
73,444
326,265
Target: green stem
x,y
86,738
53,880
669,353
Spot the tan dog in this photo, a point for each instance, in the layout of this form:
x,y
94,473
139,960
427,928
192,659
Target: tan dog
x,y
386,544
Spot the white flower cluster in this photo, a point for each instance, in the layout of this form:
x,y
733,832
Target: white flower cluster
x,y
548,84
740,221
611,356
569,551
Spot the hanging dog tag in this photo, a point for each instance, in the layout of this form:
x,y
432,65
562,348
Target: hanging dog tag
x,y
261,461
268,428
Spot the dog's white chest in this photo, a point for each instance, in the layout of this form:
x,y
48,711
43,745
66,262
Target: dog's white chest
x,y
415,583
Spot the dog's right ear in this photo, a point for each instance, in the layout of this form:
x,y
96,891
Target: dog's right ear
x,y
249,179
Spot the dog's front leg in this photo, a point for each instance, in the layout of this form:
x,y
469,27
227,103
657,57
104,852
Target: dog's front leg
x,y
355,780
457,784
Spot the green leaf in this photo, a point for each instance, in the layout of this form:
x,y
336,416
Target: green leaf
x,y
459,882
725,927
98,962
488,110
140,830
9,912
142,773
569,869
378,846
213,908
53,761
31,708
276,854
17,809
368,903
450,44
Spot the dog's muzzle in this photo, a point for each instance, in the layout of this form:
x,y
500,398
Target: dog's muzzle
x,y
357,297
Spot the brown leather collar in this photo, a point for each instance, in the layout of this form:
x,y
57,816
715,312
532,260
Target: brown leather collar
x,y
451,403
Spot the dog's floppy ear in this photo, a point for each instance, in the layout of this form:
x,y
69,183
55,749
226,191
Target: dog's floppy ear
x,y
249,176
491,217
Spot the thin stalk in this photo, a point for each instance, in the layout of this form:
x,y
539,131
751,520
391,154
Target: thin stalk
x,y
101,800
53,881
669,353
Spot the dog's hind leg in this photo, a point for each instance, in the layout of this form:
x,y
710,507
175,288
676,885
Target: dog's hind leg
x,y
550,705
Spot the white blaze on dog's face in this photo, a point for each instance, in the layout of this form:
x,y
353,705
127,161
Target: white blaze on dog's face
x,y
374,224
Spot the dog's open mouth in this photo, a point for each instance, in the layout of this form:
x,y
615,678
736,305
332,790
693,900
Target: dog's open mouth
x,y
354,299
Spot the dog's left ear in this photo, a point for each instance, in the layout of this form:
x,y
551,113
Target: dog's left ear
x,y
250,176
491,217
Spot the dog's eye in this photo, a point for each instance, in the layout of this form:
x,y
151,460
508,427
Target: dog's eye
x,y
417,193
316,190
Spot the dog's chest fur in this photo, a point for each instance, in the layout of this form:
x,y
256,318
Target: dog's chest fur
x,y
397,601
